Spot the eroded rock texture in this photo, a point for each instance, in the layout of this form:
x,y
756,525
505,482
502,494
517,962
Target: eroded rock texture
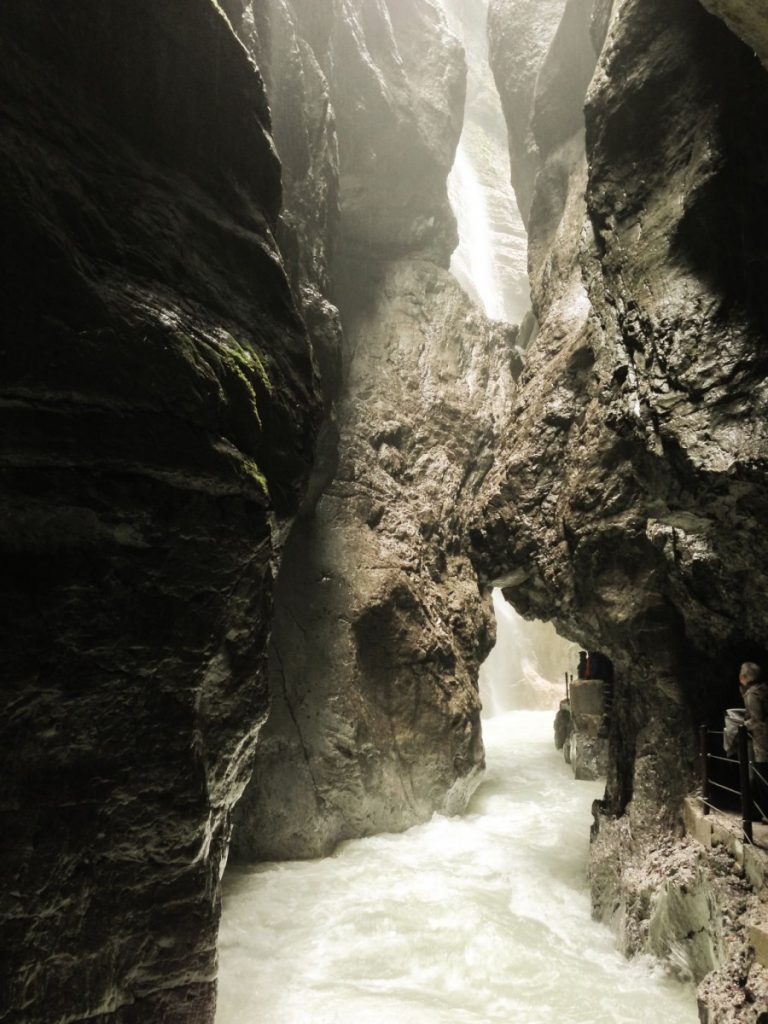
x,y
680,901
157,422
520,34
632,507
380,627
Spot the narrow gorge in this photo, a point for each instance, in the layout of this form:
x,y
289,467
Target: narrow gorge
x,y
275,446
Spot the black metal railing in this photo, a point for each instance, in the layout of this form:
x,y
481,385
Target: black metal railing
x,y
747,772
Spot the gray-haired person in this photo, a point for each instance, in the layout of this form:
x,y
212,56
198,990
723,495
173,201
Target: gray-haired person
x,y
754,693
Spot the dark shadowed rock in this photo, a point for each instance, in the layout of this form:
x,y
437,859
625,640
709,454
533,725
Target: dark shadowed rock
x,y
157,422
747,18
304,130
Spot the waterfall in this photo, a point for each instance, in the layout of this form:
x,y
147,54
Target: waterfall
x,y
472,262
491,260
526,667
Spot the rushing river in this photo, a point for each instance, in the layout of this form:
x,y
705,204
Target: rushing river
x,y
466,920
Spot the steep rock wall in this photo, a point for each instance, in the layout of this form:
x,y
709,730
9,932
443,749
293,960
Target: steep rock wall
x,y
380,627
688,904
633,506
157,421
678,901
520,34
304,130
632,510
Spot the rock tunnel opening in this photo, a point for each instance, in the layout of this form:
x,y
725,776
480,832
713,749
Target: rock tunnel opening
x,y
532,668
527,666
712,678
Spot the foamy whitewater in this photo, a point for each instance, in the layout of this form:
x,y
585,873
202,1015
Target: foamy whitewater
x,y
472,263
466,920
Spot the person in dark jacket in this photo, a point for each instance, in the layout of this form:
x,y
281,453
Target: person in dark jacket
x,y
754,693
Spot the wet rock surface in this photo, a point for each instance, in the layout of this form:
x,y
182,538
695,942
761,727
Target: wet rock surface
x,y
633,505
666,896
631,509
158,413
690,906
380,626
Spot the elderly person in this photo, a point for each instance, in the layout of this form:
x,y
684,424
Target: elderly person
x,y
754,693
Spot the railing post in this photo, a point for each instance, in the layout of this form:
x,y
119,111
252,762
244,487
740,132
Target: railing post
x,y
746,787
567,688
704,755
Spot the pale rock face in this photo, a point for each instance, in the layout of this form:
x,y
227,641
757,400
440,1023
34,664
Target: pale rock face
x,y
520,34
397,79
669,898
380,627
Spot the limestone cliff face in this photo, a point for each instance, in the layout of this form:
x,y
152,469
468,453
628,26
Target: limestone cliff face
x,y
157,415
380,627
633,508
520,34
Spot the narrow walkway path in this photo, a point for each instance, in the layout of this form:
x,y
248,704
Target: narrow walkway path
x,y
470,920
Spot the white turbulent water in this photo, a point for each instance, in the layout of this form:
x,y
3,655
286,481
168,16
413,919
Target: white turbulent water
x,y
465,920
490,262
472,263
